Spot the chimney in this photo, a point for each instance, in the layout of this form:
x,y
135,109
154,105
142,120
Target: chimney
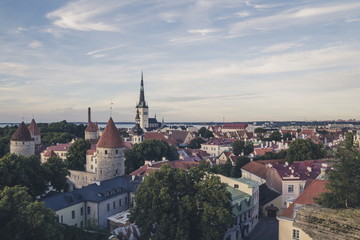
x,y
309,169
133,177
286,163
89,114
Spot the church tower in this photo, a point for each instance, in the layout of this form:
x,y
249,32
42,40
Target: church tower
x,y
35,132
21,142
142,107
92,129
110,153
138,133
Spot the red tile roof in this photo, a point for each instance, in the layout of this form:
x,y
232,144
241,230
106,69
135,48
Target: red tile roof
x,y
59,147
219,141
92,127
262,151
306,197
22,133
180,164
50,153
256,168
33,128
159,136
110,138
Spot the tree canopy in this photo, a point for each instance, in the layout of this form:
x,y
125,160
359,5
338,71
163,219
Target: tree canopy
x,y
240,147
23,219
196,143
344,180
153,150
204,132
28,172
300,150
180,205
76,156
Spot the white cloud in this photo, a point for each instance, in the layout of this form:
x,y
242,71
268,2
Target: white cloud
x,y
35,44
290,17
105,49
204,31
86,15
281,47
242,14
12,68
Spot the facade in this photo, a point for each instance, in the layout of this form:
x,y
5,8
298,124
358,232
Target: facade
x,y
60,149
94,204
104,162
35,132
216,146
21,142
287,230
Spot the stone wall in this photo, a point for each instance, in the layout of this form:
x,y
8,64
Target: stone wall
x,y
26,148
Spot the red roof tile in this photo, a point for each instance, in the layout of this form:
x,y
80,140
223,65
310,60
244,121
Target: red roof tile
x,y
110,138
306,197
159,136
60,147
22,133
235,126
50,153
256,168
33,128
92,127
262,151
180,164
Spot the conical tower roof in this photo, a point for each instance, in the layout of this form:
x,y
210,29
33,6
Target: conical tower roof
x,y
22,133
110,138
92,127
33,128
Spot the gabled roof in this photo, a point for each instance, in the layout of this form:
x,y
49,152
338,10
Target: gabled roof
x,y
110,138
180,164
235,126
33,128
262,151
159,136
153,120
255,168
59,147
50,153
266,194
22,133
306,197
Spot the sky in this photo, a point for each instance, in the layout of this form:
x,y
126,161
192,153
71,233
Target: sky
x,y
213,60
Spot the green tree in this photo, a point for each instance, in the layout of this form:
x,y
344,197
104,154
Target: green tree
x,y
349,141
275,136
153,150
344,181
260,130
287,136
26,219
55,172
178,204
206,133
196,143
300,150
242,147
25,171
76,156
241,161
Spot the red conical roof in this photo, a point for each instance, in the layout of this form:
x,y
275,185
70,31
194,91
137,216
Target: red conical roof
x,y
110,138
92,127
22,133
33,128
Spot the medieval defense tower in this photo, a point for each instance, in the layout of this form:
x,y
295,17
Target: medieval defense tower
x,y
21,142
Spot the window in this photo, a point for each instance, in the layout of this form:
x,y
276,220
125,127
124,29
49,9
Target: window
x,y
92,167
105,152
236,185
73,214
290,188
81,211
119,202
116,151
88,210
61,219
108,207
81,224
295,234
301,188
75,225
114,205
126,200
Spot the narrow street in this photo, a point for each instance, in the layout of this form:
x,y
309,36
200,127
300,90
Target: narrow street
x,y
266,229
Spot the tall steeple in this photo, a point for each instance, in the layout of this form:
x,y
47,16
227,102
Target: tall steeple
x,y
142,102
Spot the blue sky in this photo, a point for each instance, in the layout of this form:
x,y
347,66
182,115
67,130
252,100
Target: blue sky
x,y
202,60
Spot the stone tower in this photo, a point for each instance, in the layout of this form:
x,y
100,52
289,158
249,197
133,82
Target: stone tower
x,y
142,107
110,153
21,142
35,132
91,131
138,133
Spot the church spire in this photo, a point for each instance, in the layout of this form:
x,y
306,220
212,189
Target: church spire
x,y
142,102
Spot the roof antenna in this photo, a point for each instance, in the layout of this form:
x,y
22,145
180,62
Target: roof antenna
x,y
111,103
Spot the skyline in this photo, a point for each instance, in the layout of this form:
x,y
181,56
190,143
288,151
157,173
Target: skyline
x,y
202,60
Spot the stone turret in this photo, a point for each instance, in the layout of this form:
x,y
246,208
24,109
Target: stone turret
x,y
92,130
110,153
21,142
35,132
